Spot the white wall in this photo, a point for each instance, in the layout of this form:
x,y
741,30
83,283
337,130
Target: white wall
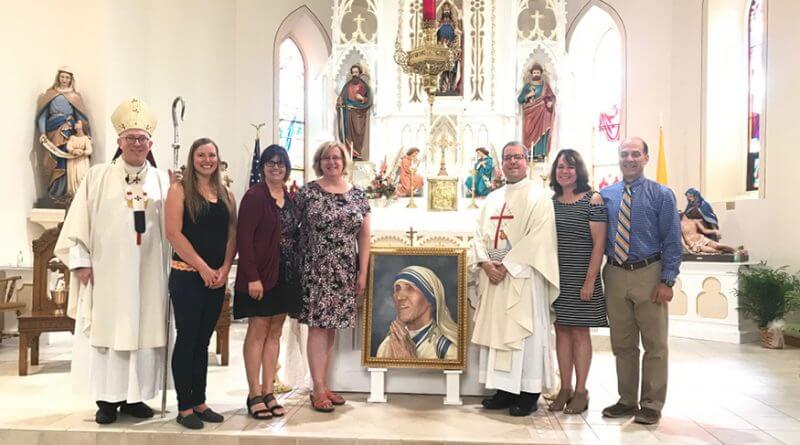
x,y
725,100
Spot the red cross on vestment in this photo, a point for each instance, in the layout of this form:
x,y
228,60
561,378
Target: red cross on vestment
x,y
500,219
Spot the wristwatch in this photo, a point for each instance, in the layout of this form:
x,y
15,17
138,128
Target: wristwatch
x,y
668,283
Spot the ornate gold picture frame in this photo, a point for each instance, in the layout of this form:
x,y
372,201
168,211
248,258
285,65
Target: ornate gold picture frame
x,y
415,314
442,194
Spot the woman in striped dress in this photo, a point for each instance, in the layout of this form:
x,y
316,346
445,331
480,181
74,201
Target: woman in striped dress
x,y
581,219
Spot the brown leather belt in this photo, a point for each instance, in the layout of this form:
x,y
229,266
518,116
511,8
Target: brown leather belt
x,y
180,265
638,264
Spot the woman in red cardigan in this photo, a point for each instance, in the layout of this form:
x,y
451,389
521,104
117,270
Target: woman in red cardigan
x,y
267,280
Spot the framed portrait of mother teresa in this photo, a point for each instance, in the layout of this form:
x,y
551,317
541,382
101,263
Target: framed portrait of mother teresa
x,y
416,308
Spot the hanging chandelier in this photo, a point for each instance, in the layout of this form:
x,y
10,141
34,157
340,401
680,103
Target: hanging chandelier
x,y
428,58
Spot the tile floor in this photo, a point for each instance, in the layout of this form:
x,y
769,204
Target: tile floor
x,y
719,393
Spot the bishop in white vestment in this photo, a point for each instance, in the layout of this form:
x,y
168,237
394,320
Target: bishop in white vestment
x,y
515,248
113,242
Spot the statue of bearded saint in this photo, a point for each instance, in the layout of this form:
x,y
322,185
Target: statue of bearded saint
x,y
538,113
352,114
60,117
449,33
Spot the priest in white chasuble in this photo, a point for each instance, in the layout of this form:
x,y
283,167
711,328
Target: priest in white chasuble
x,y
515,248
113,242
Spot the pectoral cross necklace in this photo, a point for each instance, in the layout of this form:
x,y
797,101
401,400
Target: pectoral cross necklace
x,y
136,198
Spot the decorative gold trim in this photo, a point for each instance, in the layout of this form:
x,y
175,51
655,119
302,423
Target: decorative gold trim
x,y
366,338
415,35
494,45
399,70
476,67
442,194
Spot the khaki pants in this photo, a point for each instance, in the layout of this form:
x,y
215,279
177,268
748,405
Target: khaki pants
x,y
631,313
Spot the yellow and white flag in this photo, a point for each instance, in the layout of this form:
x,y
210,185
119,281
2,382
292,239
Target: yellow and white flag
x,y
661,173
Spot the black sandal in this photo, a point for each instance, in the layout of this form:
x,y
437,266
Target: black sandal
x,y
269,398
262,414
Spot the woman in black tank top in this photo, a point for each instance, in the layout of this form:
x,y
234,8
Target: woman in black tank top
x,y
201,226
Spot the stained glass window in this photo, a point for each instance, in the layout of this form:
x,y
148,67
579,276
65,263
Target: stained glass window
x,y
756,83
291,108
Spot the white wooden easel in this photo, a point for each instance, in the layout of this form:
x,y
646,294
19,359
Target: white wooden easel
x,y
377,386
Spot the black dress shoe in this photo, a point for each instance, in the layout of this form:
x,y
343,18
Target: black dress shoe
x,y
139,410
500,400
191,421
106,413
104,416
209,416
526,403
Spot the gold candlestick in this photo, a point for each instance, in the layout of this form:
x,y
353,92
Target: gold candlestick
x,y
442,168
411,203
473,204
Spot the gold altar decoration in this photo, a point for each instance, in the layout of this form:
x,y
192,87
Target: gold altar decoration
x,y
443,143
427,59
442,194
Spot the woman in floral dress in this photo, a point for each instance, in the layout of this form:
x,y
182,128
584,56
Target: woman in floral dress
x,y
335,240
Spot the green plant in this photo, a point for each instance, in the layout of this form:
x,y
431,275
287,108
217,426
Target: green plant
x,y
767,294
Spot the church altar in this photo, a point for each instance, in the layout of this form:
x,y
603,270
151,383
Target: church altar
x,y
705,304
475,103
474,106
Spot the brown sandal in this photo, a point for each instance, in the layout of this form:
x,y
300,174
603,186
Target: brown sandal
x,y
320,405
336,399
561,400
578,403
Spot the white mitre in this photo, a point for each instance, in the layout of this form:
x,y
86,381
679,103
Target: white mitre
x,y
134,113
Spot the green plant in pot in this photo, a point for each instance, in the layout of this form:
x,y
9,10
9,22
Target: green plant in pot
x,y
766,294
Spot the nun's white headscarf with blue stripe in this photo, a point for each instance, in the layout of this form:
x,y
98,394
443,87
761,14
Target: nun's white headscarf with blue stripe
x,y
430,286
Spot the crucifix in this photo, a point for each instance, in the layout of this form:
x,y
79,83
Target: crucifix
x,y
499,218
444,143
410,234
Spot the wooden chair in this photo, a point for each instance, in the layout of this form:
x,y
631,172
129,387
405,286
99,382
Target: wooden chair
x,y
8,290
223,330
44,316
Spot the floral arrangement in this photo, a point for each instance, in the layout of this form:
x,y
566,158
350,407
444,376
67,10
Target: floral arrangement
x,y
382,186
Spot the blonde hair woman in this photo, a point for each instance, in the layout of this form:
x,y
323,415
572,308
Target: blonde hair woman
x,y
201,226
334,229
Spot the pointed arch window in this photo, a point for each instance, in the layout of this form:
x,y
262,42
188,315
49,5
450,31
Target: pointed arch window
x,y
596,50
756,87
292,106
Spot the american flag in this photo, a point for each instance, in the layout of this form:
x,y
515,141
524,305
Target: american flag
x,y
255,172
